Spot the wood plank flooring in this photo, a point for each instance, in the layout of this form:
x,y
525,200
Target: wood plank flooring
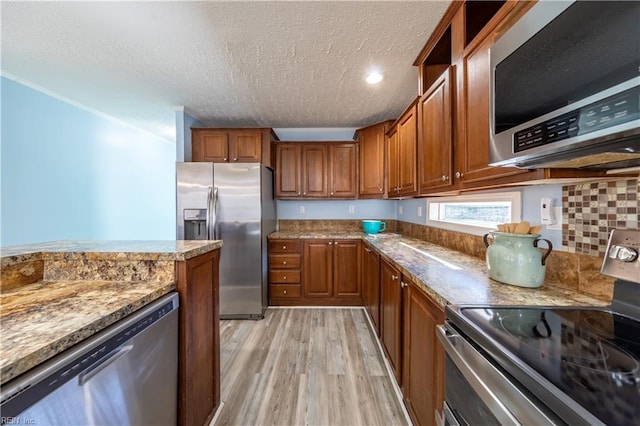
x,y
305,367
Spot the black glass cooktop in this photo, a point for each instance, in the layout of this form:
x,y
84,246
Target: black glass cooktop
x,y
593,356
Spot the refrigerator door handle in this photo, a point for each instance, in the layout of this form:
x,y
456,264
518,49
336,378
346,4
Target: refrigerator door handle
x,y
214,214
208,218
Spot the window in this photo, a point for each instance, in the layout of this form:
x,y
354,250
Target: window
x,y
474,214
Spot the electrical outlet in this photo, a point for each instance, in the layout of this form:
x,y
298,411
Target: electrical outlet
x,y
419,211
352,208
301,209
401,210
556,214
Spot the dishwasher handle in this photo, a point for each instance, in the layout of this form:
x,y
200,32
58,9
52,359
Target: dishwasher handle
x,y
103,363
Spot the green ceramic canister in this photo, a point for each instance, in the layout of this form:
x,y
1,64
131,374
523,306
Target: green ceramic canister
x,y
515,258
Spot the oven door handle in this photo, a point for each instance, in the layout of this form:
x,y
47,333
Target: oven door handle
x,y
449,339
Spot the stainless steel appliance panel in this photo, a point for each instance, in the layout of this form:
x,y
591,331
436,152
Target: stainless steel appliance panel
x,y
269,225
238,224
194,186
125,375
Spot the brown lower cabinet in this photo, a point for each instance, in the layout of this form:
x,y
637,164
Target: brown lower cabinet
x,y
371,285
423,356
408,320
316,272
391,316
198,342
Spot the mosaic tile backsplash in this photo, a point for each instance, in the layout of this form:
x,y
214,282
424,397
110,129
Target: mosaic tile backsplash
x,y
591,210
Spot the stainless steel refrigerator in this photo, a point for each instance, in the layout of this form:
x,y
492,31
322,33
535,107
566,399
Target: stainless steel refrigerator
x,y
233,203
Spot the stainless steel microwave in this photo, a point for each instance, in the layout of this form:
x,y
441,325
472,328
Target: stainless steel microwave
x,y
565,87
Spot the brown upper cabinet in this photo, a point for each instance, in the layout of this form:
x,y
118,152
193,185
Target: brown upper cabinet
x,y
473,93
435,134
453,110
232,145
402,154
316,170
373,164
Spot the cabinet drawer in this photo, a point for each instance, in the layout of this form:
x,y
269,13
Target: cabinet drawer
x,y
283,290
284,261
285,277
285,246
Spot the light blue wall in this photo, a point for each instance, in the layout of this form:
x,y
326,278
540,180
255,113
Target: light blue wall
x,y
315,133
68,173
530,196
336,209
184,123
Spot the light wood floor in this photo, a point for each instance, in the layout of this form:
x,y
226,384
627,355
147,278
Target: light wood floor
x,y
305,366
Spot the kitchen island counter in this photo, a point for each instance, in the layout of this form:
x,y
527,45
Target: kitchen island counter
x,y
56,294
452,277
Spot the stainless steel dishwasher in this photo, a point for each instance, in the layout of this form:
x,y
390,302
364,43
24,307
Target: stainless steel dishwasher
x,y
126,374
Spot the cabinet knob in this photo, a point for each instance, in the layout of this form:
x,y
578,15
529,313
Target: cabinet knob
x,y
403,284
284,278
380,189
459,175
225,158
284,262
332,193
284,247
298,192
367,250
304,193
235,159
284,292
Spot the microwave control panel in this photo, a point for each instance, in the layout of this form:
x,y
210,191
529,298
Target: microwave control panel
x,y
617,109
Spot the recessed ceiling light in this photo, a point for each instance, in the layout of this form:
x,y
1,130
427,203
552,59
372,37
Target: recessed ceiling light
x,y
374,77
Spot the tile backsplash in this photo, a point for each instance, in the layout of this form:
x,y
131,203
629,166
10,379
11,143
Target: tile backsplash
x,y
591,210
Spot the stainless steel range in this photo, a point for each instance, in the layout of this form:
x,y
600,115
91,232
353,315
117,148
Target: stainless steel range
x,y
549,365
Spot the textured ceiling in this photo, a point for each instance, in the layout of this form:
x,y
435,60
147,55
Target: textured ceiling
x,y
272,64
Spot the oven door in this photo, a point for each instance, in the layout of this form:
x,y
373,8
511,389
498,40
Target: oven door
x,y
479,392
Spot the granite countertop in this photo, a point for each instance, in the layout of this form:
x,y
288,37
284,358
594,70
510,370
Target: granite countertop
x,y
42,319
452,277
109,250
292,235
56,294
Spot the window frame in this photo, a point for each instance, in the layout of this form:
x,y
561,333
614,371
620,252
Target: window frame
x,y
515,197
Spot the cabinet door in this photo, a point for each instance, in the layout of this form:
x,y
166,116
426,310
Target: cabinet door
x,y
346,268
472,153
209,145
245,146
199,343
423,365
407,138
435,143
393,164
372,161
343,173
371,285
318,268
314,170
391,316
288,173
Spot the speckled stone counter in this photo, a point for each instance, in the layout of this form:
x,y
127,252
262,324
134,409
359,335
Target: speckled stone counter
x,y
108,250
451,277
56,294
42,319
